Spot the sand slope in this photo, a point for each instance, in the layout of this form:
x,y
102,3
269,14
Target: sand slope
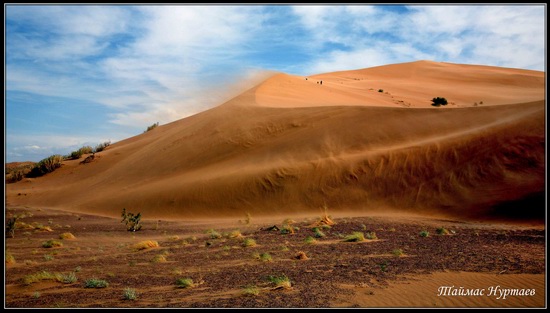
x,y
292,145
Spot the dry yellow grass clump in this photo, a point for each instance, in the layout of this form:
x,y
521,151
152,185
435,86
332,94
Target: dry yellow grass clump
x,y
10,259
67,236
147,244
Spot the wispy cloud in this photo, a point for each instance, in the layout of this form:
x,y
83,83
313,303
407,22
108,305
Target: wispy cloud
x,y
509,35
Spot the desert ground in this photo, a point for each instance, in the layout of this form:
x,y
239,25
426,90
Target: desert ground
x,y
451,196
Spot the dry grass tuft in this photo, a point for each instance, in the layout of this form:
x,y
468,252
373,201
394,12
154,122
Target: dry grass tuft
x,y
160,258
147,244
67,236
10,259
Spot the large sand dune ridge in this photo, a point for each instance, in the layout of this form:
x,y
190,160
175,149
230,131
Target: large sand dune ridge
x,y
365,140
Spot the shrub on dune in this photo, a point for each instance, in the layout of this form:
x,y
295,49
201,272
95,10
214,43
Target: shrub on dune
x,y
100,147
46,166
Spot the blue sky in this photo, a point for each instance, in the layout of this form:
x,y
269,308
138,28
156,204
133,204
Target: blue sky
x,y
80,75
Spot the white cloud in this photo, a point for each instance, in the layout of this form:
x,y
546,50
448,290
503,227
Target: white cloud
x,y
508,35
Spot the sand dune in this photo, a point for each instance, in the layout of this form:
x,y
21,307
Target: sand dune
x,y
291,145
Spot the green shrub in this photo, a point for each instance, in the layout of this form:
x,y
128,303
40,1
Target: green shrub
x,y
310,240
149,128
100,147
130,294
280,281
46,166
96,283
355,237
318,233
442,231
68,278
214,234
184,283
251,291
397,252
371,236
10,259
75,155
51,243
17,173
424,233
249,242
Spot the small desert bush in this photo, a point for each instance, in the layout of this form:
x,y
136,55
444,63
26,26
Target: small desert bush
x,y
251,291
355,237
249,242
100,147
151,127
48,257
68,278
318,233
96,283
17,173
371,236
40,227
40,276
51,243
10,259
67,236
265,257
310,240
235,234
46,166
75,155
214,234
130,294
159,258
380,90
184,283
442,231
147,244
397,252
424,233
280,281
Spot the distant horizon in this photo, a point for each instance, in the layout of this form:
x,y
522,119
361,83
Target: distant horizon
x,y
78,75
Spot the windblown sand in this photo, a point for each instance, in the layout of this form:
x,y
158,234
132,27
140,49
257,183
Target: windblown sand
x,y
362,143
